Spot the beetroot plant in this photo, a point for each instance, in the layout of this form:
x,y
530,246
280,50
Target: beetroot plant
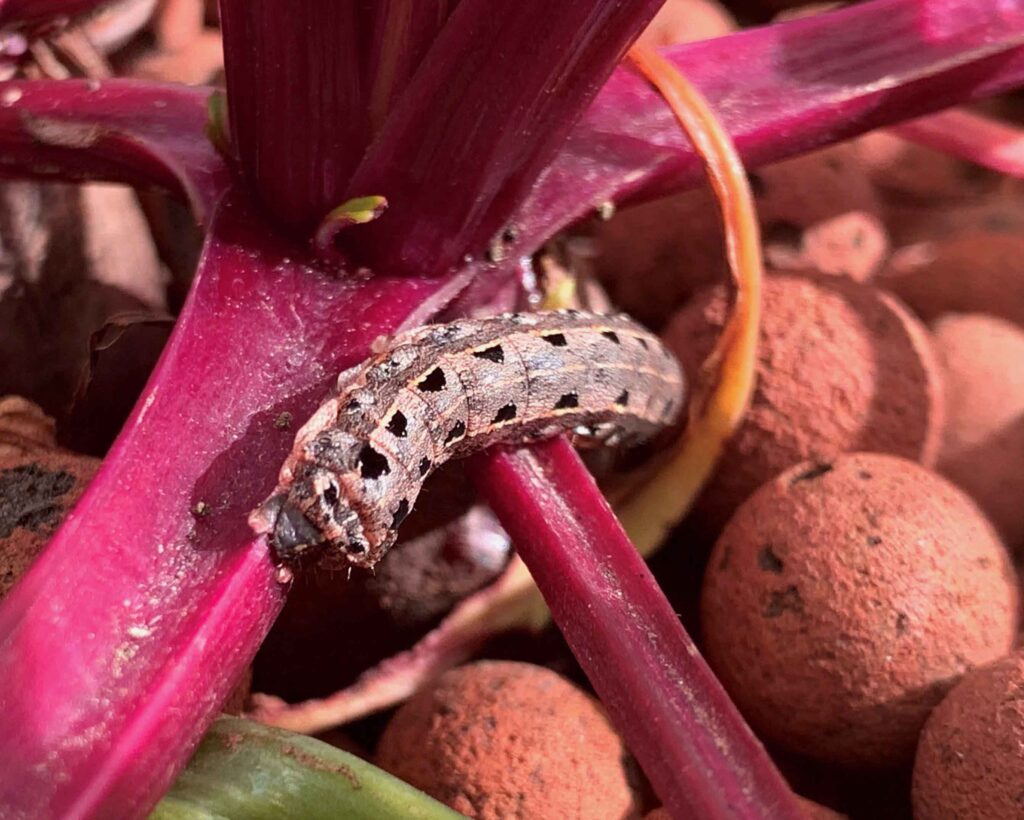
x,y
488,128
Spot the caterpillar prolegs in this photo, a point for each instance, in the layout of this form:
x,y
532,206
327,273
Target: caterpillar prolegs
x,y
444,391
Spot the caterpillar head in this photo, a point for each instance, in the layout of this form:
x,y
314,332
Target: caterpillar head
x,y
292,534
310,516
321,510
313,520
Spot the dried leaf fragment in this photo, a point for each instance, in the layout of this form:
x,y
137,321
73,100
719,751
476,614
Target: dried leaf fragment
x,y
724,389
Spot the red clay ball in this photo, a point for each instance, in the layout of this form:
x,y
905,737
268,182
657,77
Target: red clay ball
x,y
809,189
653,256
973,271
816,811
853,244
498,739
686,21
841,367
970,761
906,172
983,444
844,599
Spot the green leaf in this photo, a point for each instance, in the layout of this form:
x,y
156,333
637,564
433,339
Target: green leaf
x,y
358,211
245,770
218,126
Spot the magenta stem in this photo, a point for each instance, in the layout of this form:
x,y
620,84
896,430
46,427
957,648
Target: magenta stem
x,y
486,111
27,13
125,638
403,31
298,107
995,145
144,134
695,748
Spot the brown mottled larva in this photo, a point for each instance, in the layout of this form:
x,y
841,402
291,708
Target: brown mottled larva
x,y
445,391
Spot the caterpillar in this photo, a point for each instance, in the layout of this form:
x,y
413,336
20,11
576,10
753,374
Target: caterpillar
x,y
444,391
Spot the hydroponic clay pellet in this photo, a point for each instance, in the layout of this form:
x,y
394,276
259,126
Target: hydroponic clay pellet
x,y
970,761
851,244
502,739
816,811
806,190
907,173
841,367
975,271
845,598
686,21
983,444
655,255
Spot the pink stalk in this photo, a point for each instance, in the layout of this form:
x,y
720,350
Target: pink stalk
x,y
124,639
27,13
310,60
403,32
826,86
139,133
486,111
798,86
970,136
298,104
699,754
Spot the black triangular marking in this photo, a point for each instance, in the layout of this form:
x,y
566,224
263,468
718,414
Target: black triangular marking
x,y
506,413
400,514
372,464
494,353
458,431
433,382
398,424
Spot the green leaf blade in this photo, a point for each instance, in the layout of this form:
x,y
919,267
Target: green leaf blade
x,y
244,769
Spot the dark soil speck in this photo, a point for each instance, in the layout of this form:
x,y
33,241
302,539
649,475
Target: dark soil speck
x,y
30,497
